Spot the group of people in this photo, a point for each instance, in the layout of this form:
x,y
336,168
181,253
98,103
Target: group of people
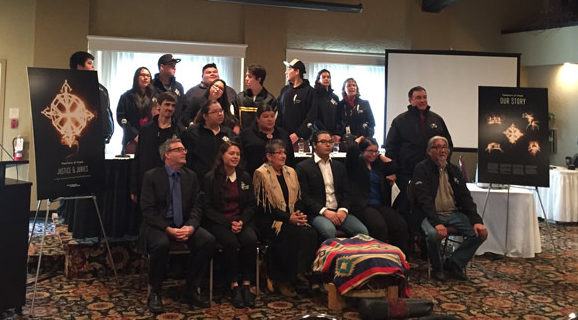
x,y
212,166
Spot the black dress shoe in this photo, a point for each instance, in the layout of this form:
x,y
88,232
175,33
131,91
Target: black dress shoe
x,y
438,275
193,296
155,303
455,271
237,297
248,296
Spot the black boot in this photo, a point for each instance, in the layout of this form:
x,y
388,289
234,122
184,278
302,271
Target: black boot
x,y
155,303
237,297
193,296
248,296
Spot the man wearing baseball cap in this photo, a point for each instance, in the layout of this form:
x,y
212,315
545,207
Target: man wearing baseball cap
x,y
295,102
165,80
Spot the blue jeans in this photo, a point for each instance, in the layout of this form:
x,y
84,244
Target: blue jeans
x,y
464,252
351,226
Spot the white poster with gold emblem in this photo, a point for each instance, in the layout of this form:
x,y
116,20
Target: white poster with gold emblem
x,y
67,132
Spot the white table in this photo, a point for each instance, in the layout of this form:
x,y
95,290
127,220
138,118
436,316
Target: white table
x,y
561,199
523,234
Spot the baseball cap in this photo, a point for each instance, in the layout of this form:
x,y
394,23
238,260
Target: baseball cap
x,y
167,58
296,64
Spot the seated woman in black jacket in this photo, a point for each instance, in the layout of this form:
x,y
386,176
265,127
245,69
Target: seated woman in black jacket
x,y
371,175
229,210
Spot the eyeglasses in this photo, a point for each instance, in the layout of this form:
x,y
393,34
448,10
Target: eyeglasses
x,y
179,149
371,151
216,111
145,75
325,141
440,147
279,152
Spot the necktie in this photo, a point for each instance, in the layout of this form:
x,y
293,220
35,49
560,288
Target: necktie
x,y
177,200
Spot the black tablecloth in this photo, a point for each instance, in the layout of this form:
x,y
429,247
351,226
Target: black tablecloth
x,y
120,215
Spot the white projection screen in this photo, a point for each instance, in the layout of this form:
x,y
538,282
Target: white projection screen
x,y
451,79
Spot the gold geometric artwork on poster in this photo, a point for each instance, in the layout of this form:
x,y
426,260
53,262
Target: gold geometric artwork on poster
x,y
69,115
513,133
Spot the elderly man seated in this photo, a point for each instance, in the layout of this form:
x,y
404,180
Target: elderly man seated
x,y
441,196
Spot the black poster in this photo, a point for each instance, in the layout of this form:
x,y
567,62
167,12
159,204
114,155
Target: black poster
x,y
513,146
67,132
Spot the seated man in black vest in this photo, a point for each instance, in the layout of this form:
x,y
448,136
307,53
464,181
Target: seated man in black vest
x,y
441,196
171,209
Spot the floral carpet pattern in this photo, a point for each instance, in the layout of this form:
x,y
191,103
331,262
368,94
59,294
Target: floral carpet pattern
x,y
544,287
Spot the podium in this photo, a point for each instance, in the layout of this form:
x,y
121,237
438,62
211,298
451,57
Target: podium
x,y
7,164
14,218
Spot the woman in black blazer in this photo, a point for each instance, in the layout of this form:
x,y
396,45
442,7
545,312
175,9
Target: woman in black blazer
x,y
371,176
229,209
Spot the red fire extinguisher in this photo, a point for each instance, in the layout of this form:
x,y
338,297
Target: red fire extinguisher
x,y
18,144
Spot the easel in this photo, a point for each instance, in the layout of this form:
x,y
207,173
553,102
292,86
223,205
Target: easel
x,y
507,218
93,197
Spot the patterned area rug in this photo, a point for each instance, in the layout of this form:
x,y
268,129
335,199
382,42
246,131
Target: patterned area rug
x,y
499,288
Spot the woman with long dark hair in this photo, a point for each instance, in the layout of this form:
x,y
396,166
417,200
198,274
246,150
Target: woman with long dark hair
x,y
357,117
325,104
255,137
371,176
281,221
135,108
229,209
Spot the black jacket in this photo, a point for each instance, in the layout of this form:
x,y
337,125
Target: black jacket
x,y
176,88
147,151
294,109
359,178
406,142
128,115
203,146
195,98
246,105
253,146
105,113
358,118
156,194
213,197
426,181
313,187
326,112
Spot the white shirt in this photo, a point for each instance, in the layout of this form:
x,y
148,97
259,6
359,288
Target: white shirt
x,y
233,176
327,173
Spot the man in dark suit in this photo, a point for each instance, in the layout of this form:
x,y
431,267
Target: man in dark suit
x,y
171,210
325,190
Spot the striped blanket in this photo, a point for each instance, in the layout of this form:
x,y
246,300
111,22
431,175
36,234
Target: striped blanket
x,y
354,261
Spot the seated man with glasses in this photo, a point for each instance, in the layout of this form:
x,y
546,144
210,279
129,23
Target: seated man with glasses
x,y
325,191
171,208
441,196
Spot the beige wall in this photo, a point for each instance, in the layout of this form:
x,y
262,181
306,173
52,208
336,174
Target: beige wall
x,y
562,97
49,31
17,48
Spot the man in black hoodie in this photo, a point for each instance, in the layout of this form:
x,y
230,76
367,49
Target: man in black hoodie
x,y
295,100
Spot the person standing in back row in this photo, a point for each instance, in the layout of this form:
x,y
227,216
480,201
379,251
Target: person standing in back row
x,y
406,145
295,102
